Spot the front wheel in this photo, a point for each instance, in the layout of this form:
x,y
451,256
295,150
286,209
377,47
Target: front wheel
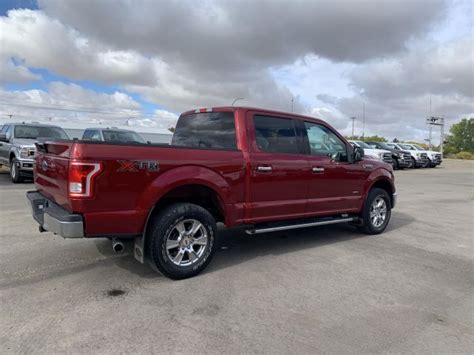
x,y
427,164
377,212
182,240
15,172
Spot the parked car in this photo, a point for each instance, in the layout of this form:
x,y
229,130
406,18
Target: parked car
x,y
419,159
17,146
382,154
112,134
401,159
434,158
265,170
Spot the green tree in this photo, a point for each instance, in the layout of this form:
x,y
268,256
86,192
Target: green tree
x,y
371,138
461,136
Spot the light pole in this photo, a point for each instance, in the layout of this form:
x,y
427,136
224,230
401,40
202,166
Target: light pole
x,y
237,99
353,120
363,121
292,102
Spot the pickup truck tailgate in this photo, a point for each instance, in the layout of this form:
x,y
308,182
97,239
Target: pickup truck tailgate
x,y
51,171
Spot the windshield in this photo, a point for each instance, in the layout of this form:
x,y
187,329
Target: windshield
x,y
393,146
122,136
406,146
417,147
35,132
363,145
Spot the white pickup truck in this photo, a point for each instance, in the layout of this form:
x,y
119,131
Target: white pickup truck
x,y
434,158
381,154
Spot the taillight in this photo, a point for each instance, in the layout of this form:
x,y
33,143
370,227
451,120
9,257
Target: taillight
x,y
81,177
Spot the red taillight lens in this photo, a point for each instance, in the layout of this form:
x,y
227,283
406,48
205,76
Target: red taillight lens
x,y
81,177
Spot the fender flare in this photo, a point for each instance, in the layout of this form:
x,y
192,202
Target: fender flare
x,y
170,180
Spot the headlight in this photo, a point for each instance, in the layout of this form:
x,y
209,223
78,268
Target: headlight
x,y
24,153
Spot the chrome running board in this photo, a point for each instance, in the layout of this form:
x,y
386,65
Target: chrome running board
x,y
301,225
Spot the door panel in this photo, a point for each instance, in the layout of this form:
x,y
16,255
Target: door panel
x,y
335,185
278,177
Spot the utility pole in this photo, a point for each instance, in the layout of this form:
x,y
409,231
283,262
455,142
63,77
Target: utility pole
x,y
292,102
363,120
437,121
353,120
431,130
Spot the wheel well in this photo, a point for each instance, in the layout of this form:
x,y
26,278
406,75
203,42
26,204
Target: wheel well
x,y
198,194
12,155
385,185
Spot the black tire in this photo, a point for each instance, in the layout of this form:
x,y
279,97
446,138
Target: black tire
x,y
368,226
413,163
15,172
428,163
164,229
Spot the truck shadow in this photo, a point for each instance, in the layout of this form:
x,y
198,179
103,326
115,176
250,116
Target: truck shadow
x,y
234,246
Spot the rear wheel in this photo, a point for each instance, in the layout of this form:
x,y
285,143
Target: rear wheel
x,y
376,213
182,240
15,172
413,163
427,164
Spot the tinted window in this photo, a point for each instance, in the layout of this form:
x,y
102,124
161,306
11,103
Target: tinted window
x,y
91,135
276,135
122,136
323,141
35,132
215,130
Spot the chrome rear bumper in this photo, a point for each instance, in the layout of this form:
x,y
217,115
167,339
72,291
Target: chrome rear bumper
x,y
53,218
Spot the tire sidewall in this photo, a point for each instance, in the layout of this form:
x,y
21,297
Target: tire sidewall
x,y
369,227
166,222
14,172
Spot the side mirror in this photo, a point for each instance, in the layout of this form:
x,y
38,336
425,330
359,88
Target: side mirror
x,y
3,138
358,154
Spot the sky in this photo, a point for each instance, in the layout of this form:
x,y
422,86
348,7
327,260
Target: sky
x,y
145,61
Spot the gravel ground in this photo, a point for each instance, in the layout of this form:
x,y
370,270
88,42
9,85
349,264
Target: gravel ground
x,y
319,290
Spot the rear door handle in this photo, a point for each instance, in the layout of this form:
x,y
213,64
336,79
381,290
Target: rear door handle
x,y
264,168
318,169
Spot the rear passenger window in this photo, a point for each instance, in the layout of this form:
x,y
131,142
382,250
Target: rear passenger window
x,y
276,135
212,130
91,135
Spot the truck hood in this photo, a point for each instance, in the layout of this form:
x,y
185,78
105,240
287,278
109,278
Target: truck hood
x,y
375,152
27,143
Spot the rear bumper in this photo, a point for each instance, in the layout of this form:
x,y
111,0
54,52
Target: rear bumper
x,y
53,218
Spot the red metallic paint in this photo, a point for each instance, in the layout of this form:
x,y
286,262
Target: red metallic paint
x,y
122,199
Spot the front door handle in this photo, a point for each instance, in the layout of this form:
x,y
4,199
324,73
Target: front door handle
x,y
318,169
264,168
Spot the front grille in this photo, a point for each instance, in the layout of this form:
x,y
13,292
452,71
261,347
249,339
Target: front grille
x,y
424,158
407,158
437,158
387,157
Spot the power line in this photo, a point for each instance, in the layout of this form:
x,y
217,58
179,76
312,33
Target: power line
x,y
81,110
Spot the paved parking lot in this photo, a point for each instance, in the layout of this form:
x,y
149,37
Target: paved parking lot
x,y
327,289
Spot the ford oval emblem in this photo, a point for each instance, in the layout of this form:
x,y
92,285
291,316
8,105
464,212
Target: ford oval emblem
x,y
44,165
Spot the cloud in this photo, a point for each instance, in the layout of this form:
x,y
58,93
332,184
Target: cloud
x,y
15,73
65,102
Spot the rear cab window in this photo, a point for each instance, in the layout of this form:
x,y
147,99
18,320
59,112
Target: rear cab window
x,y
276,135
208,130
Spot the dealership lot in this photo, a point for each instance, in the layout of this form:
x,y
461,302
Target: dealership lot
x,y
326,289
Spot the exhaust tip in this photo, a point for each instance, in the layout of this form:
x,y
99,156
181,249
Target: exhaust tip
x,y
117,246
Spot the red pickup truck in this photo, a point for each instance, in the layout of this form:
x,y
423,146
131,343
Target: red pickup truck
x,y
266,170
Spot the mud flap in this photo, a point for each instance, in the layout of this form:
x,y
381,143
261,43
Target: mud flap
x,y
138,250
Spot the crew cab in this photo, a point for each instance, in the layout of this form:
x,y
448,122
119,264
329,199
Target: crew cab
x,y
400,159
264,170
17,146
433,158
